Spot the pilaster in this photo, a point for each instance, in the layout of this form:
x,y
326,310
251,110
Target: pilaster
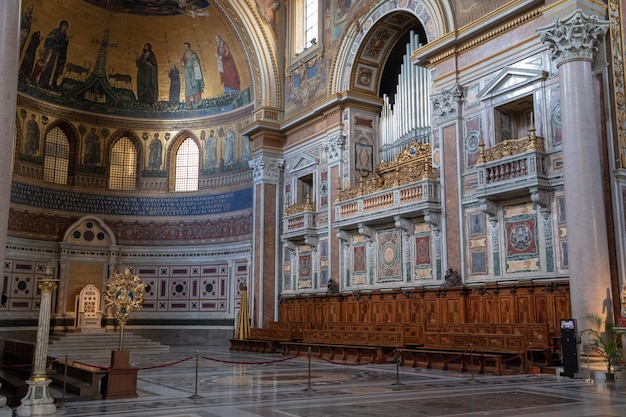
x,y
267,173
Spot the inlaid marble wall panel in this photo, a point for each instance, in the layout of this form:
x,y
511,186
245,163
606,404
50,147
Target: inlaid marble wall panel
x,y
187,288
19,285
389,256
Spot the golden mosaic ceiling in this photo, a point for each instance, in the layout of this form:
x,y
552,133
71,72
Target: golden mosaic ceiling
x,y
90,55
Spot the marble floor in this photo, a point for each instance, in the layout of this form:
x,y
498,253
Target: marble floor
x,y
243,384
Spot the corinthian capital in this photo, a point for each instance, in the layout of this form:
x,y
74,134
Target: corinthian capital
x,y
333,147
266,169
574,38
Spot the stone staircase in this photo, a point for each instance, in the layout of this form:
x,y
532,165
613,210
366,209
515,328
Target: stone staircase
x,y
95,348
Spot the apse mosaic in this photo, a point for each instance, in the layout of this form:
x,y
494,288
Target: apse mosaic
x,y
177,63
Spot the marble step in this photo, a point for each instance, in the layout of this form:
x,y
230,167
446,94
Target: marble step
x,y
98,346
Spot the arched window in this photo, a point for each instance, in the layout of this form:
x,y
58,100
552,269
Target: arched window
x,y
123,165
187,166
305,24
56,156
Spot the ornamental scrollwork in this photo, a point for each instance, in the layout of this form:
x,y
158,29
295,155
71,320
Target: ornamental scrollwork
x,y
574,38
124,294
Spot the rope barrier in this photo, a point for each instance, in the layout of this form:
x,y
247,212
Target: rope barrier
x,y
456,357
344,364
250,363
519,355
165,365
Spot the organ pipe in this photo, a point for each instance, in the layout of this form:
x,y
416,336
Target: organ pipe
x,y
408,119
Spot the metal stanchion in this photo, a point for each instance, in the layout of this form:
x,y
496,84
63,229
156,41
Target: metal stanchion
x,y
589,379
64,383
195,395
472,361
308,355
396,356
532,359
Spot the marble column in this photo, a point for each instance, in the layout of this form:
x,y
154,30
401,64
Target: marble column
x,y
267,173
573,41
38,401
9,56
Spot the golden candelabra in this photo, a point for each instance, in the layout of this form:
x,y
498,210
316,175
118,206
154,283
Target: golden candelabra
x,y
124,294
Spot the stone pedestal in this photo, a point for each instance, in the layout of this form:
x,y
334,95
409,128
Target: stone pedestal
x,y
121,379
37,401
5,411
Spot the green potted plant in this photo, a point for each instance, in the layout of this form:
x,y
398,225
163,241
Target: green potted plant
x,y
604,340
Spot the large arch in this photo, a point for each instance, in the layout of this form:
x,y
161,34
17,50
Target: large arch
x,y
260,45
435,17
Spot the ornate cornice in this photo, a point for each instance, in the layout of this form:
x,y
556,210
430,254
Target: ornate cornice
x,y
266,169
575,38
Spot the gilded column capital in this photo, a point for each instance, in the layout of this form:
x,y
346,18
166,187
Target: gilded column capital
x,y
575,38
266,169
47,285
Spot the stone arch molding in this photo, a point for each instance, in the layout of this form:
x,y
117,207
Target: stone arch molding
x,y
435,17
260,46
90,231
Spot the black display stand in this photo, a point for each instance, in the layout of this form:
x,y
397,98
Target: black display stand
x,y
569,347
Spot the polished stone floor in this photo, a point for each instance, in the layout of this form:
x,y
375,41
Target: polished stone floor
x,y
243,384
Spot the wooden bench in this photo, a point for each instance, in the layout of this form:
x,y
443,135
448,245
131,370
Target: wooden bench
x,y
541,348
452,360
17,362
331,351
262,340
296,327
348,345
501,353
82,380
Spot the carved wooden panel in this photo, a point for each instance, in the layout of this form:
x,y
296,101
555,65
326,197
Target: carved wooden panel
x,y
433,322
474,310
525,312
507,309
454,313
490,309
403,313
541,309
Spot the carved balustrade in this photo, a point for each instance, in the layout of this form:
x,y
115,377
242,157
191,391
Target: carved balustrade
x,y
513,167
404,186
298,220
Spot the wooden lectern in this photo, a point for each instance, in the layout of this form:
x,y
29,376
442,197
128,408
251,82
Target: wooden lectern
x,y
121,379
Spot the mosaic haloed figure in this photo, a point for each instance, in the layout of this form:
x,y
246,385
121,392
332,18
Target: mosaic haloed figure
x,y
124,294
